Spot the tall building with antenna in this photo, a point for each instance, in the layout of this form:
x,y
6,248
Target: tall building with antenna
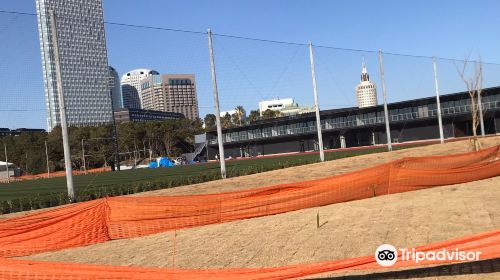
x,y
83,60
366,90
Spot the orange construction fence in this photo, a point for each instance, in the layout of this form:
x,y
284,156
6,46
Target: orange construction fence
x,y
125,217
487,243
61,174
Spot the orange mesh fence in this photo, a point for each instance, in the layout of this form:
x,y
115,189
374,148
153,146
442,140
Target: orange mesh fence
x,y
61,174
487,243
71,226
125,217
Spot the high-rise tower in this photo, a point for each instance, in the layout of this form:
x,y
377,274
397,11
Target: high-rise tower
x,y
115,88
366,90
83,59
131,87
170,93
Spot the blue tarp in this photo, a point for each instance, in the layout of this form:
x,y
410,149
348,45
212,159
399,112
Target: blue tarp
x,y
163,162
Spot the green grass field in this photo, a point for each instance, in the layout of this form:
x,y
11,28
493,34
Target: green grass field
x,y
32,194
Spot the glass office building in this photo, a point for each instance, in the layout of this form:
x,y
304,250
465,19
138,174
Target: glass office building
x,y
83,58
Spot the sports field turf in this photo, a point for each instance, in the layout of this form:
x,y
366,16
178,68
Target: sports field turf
x,y
131,181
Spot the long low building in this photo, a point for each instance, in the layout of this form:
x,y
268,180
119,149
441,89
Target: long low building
x,y
18,131
410,120
139,115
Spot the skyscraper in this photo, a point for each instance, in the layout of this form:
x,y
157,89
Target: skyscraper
x,y
83,58
366,90
131,87
115,88
181,94
170,93
152,93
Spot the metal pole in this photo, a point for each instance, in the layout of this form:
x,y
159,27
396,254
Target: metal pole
x,y
479,103
47,157
83,157
62,109
115,134
222,158
481,120
6,163
438,102
384,93
315,91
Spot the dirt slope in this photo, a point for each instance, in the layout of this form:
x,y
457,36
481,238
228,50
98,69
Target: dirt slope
x,y
347,230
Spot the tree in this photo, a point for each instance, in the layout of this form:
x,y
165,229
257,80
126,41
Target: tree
x,y
474,85
270,114
227,121
253,116
197,125
239,114
209,122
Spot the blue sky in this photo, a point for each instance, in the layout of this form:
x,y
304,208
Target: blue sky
x,y
249,71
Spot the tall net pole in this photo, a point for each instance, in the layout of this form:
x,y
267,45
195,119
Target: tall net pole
x,y
6,163
479,67
438,102
384,93
62,110
222,159
47,158
115,134
316,107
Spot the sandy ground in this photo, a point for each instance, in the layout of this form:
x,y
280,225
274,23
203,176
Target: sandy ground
x,y
347,229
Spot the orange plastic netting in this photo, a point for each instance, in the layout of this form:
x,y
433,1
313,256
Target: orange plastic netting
x,y
125,217
487,243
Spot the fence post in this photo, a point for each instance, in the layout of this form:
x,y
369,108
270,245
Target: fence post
x,y
83,157
47,157
438,102
315,91
384,93
62,109
222,158
479,102
6,162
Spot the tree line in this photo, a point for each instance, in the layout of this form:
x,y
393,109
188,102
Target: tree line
x,y
238,119
163,138
136,140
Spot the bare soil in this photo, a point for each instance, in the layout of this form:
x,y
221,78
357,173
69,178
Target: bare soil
x,y
347,230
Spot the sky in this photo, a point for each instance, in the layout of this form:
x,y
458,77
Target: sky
x,y
249,71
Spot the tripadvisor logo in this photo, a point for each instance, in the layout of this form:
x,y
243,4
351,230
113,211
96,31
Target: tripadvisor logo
x,y
387,255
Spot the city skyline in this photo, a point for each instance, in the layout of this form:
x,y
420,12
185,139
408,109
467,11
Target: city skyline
x,y
249,71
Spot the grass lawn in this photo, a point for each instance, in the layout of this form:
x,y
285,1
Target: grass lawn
x,y
131,181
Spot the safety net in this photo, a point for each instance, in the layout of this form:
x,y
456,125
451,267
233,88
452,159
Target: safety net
x,y
125,217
